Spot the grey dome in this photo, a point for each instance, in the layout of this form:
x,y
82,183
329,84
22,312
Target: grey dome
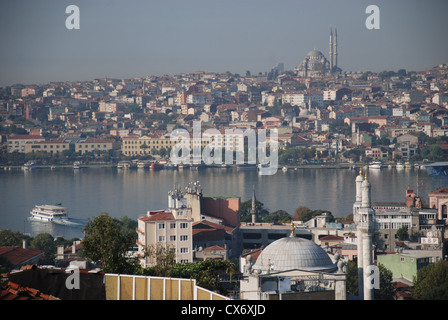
x,y
293,253
315,54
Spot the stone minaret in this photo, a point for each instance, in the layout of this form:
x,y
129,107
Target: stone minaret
x,y
335,49
331,50
356,217
366,226
253,210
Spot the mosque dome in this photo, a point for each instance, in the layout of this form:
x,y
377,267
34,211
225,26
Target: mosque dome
x,y
315,55
293,253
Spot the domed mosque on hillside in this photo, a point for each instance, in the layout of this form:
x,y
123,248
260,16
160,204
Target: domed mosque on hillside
x,y
316,64
293,268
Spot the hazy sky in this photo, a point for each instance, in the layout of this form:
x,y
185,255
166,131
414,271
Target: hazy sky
x,y
130,38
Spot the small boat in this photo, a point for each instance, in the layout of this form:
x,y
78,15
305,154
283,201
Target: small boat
x,y
156,166
30,165
124,165
375,165
284,169
49,213
142,164
77,165
407,164
399,165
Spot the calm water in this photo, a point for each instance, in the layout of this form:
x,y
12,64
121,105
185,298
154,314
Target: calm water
x,y
89,191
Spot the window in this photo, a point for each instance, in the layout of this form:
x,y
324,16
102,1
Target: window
x,y
172,238
184,225
184,250
161,226
184,238
173,225
161,238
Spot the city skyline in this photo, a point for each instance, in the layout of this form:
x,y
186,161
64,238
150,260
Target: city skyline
x,y
137,38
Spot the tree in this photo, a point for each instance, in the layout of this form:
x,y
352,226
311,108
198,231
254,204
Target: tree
x,y
163,259
386,289
301,213
45,242
106,243
402,233
279,216
245,215
432,282
11,238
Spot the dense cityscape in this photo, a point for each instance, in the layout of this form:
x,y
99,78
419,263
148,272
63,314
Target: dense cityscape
x,y
325,116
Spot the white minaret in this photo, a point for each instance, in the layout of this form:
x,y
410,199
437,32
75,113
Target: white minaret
x,y
253,210
331,50
356,216
335,49
366,226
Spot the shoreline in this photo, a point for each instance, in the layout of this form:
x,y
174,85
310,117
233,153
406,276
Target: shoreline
x,y
351,166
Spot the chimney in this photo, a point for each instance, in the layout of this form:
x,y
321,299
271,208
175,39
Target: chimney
x,y
24,244
74,247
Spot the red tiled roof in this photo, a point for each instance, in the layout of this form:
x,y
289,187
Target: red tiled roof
x,y
16,255
25,136
161,216
332,238
206,223
14,291
214,248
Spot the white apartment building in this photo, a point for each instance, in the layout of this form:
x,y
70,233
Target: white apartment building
x,y
168,229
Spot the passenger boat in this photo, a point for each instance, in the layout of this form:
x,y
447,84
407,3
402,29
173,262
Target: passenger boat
x,y
124,165
49,213
375,165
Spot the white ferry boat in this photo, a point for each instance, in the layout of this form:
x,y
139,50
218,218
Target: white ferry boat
x,y
49,213
375,165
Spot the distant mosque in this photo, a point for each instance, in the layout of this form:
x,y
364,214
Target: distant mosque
x,y
316,65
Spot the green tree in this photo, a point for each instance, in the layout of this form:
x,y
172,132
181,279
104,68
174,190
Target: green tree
x,y
45,242
246,206
11,238
432,282
386,289
402,233
279,216
106,242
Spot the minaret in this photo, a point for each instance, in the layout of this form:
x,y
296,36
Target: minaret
x,y
367,227
331,50
356,217
253,210
335,49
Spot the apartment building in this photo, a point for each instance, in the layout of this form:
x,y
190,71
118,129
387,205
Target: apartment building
x,y
18,142
169,229
92,144
53,146
145,145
